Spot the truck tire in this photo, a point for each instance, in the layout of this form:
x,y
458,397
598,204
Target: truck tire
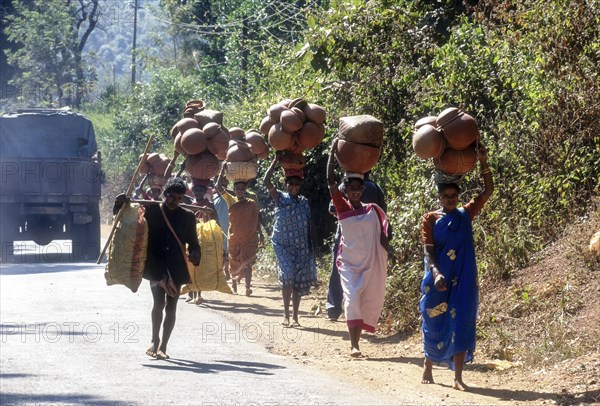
x,y
8,232
86,238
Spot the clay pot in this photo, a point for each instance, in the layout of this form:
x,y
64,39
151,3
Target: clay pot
x,y
239,151
257,142
364,129
211,129
459,128
174,131
145,166
274,112
177,144
428,142
314,113
355,157
279,138
160,166
290,121
453,162
431,120
289,160
265,125
265,153
193,141
218,144
295,148
298,102
192,107
185,124
311,134
202,166
299,113
152,158
236,133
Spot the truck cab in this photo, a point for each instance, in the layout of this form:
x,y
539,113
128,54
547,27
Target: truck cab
x,y
50,182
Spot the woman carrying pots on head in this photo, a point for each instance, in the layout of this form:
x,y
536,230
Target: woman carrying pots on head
x,y
244,231
362,255
292,241
449,288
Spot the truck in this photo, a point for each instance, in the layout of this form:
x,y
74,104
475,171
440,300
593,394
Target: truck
x,y
50,183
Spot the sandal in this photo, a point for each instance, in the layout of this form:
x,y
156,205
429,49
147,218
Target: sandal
x,y
248,292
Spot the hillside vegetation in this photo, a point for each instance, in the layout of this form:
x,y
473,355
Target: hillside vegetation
x,y
526,70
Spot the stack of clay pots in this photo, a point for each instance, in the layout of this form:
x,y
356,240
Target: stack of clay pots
x,y
155,164
242,154
154,168
292,126
450,139
202,140
360,141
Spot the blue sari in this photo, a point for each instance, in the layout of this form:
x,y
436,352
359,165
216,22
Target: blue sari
x,y
292,245
449,317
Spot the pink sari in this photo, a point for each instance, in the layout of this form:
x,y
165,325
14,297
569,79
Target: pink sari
x,y
362,263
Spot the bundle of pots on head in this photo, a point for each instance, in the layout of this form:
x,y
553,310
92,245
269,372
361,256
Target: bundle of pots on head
x,y
450,139
360,142
202,138
154,168
293,126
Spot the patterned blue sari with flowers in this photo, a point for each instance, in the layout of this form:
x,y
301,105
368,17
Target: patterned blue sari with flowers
x,y
449,317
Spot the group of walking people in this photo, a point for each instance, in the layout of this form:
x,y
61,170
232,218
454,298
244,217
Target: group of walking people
x,y
357,285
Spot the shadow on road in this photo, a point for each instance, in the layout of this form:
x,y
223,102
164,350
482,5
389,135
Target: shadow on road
x,y
37,268
71,399
256,368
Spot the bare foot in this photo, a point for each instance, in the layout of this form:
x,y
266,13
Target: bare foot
x,y
160,354
285,322
295,323
248,291
460,385
427,372
355,353
151,351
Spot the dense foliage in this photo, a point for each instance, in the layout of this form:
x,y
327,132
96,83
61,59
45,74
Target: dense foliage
x,y
527,70
51,36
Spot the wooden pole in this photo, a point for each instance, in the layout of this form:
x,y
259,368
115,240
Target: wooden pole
x,y
128,194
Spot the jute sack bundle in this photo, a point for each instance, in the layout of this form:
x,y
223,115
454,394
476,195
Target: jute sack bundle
x,y
365,129
209,274
242,171
128,249
208,116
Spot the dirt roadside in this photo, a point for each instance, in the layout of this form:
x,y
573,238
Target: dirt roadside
x,y
391,365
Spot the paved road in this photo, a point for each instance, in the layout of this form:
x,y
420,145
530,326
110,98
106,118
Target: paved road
x,y
67,338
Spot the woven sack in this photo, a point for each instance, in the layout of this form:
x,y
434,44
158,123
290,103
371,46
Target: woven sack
x,y
365,129
242,171
208,116
128,249
208,275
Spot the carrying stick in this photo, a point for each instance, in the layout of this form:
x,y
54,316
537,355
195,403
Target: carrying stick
x,y
128,194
